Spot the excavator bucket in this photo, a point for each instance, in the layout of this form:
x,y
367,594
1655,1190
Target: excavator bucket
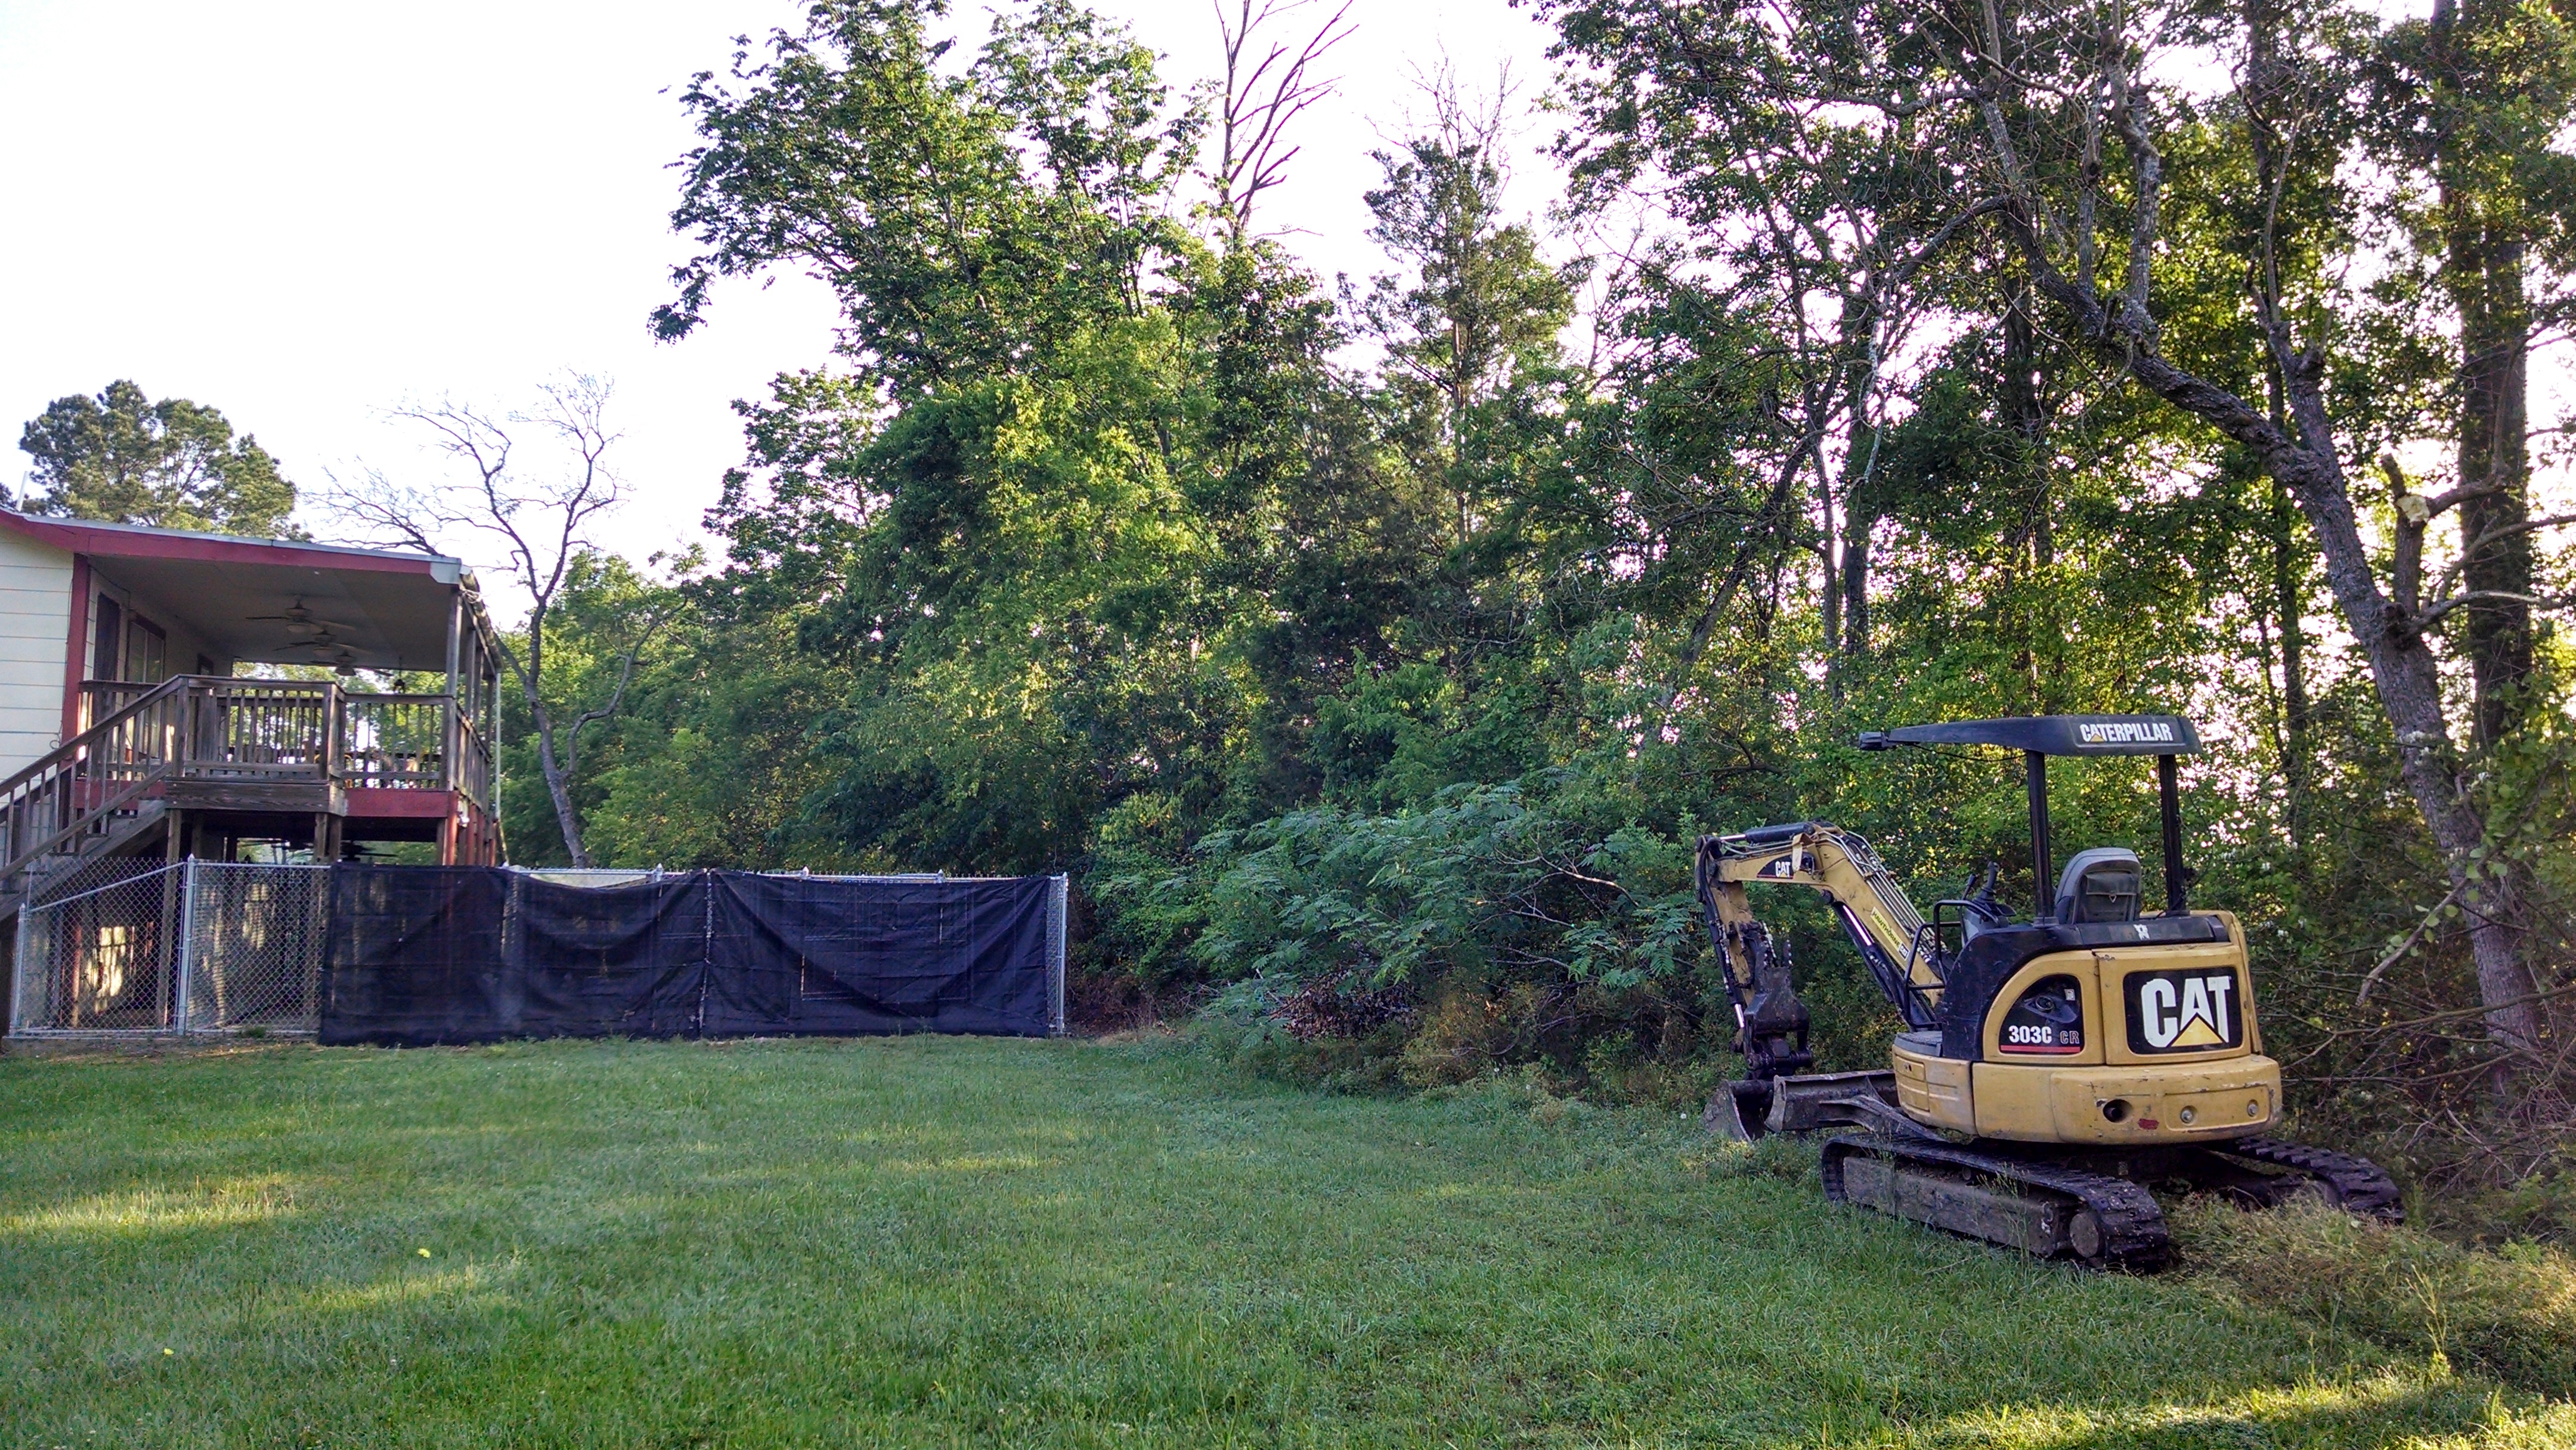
x,y
1807,1103
1738,1111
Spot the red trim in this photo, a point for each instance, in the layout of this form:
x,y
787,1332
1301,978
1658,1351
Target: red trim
x,y
81,538
75,649
383,803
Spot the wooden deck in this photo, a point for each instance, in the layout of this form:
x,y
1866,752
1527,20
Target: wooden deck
x,y
210,745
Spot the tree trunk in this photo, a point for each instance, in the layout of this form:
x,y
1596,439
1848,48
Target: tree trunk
x,y
1855,584
559,789
1829,564
2289,608
2026,408
558,775
2483,254
2495,364
2403,671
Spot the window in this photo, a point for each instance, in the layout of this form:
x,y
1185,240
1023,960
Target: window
x,y
147,652
108,639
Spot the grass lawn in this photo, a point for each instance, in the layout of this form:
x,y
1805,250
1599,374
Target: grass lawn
x,y
945,1241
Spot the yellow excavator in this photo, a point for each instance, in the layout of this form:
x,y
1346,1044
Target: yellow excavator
x,y
2052,1073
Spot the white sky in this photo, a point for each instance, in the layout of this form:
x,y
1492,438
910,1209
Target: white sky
x,y
304,213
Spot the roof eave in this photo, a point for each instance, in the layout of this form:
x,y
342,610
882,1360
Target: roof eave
x,y
135,541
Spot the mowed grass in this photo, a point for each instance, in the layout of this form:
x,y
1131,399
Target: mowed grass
x,y
944,1241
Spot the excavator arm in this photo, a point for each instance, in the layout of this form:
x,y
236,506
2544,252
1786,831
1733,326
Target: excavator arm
x,y
1902,953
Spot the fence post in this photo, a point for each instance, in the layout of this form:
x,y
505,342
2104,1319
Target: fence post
x,y
187,937
18,959
1055,955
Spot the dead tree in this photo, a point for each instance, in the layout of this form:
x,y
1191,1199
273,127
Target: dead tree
x,y
1260,98
539,528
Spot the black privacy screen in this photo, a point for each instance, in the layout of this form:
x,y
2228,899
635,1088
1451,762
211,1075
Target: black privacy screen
x,y
422,955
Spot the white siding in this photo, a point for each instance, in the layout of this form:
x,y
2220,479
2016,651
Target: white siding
x,y
35,614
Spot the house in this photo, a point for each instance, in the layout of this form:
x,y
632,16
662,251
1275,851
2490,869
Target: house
x,y
128,726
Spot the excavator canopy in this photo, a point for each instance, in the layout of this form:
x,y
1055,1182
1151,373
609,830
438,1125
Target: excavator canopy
x,y
2038,737
2053,735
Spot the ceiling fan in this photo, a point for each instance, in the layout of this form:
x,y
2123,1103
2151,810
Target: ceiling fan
x,y
300,620
328,649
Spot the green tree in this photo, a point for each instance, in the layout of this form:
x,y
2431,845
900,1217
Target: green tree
x,y
614,636
2076,154
2477,97
1470,327
969,221
121,458
994,515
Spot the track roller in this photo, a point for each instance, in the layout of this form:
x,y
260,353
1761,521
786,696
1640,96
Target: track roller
x,y
2045,1209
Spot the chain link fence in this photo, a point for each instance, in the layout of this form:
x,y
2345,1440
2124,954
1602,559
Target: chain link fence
x,y
78,878
194,948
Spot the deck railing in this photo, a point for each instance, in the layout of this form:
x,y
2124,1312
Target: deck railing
x,y
252,729
255,730
138,740
395,742
101,775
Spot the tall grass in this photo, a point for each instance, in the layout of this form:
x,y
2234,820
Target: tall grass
x,y
2510,1313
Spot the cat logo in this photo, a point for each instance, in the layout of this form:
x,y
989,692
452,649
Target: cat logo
x,y
2184,1011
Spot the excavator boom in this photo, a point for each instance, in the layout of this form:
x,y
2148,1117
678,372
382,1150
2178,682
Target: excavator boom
x,y
1902,952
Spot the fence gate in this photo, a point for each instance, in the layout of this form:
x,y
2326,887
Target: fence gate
x,y
193,948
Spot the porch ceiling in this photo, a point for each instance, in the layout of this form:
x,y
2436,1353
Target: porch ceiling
x,y
387,620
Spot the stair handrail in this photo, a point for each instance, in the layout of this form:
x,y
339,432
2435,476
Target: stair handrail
x,y
176,684
71,752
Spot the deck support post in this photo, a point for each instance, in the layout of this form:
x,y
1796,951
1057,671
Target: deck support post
x,y
451,739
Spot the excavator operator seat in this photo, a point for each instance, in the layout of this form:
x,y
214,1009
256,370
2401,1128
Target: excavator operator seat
x,y
2100,885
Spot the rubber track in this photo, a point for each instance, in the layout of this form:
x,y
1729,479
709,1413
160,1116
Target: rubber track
x,y
2359,1185
2134,1237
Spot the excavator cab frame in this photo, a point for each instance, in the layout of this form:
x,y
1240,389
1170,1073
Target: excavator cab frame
x,y
2037,737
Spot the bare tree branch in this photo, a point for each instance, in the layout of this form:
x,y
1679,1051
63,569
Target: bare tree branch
x,y
2434,614
538,527
1258,100
2451,574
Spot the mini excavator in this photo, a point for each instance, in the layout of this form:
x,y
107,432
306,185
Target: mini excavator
x,y
2052,1074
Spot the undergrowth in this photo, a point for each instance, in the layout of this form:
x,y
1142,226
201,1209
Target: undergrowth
x,y
2508,1312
